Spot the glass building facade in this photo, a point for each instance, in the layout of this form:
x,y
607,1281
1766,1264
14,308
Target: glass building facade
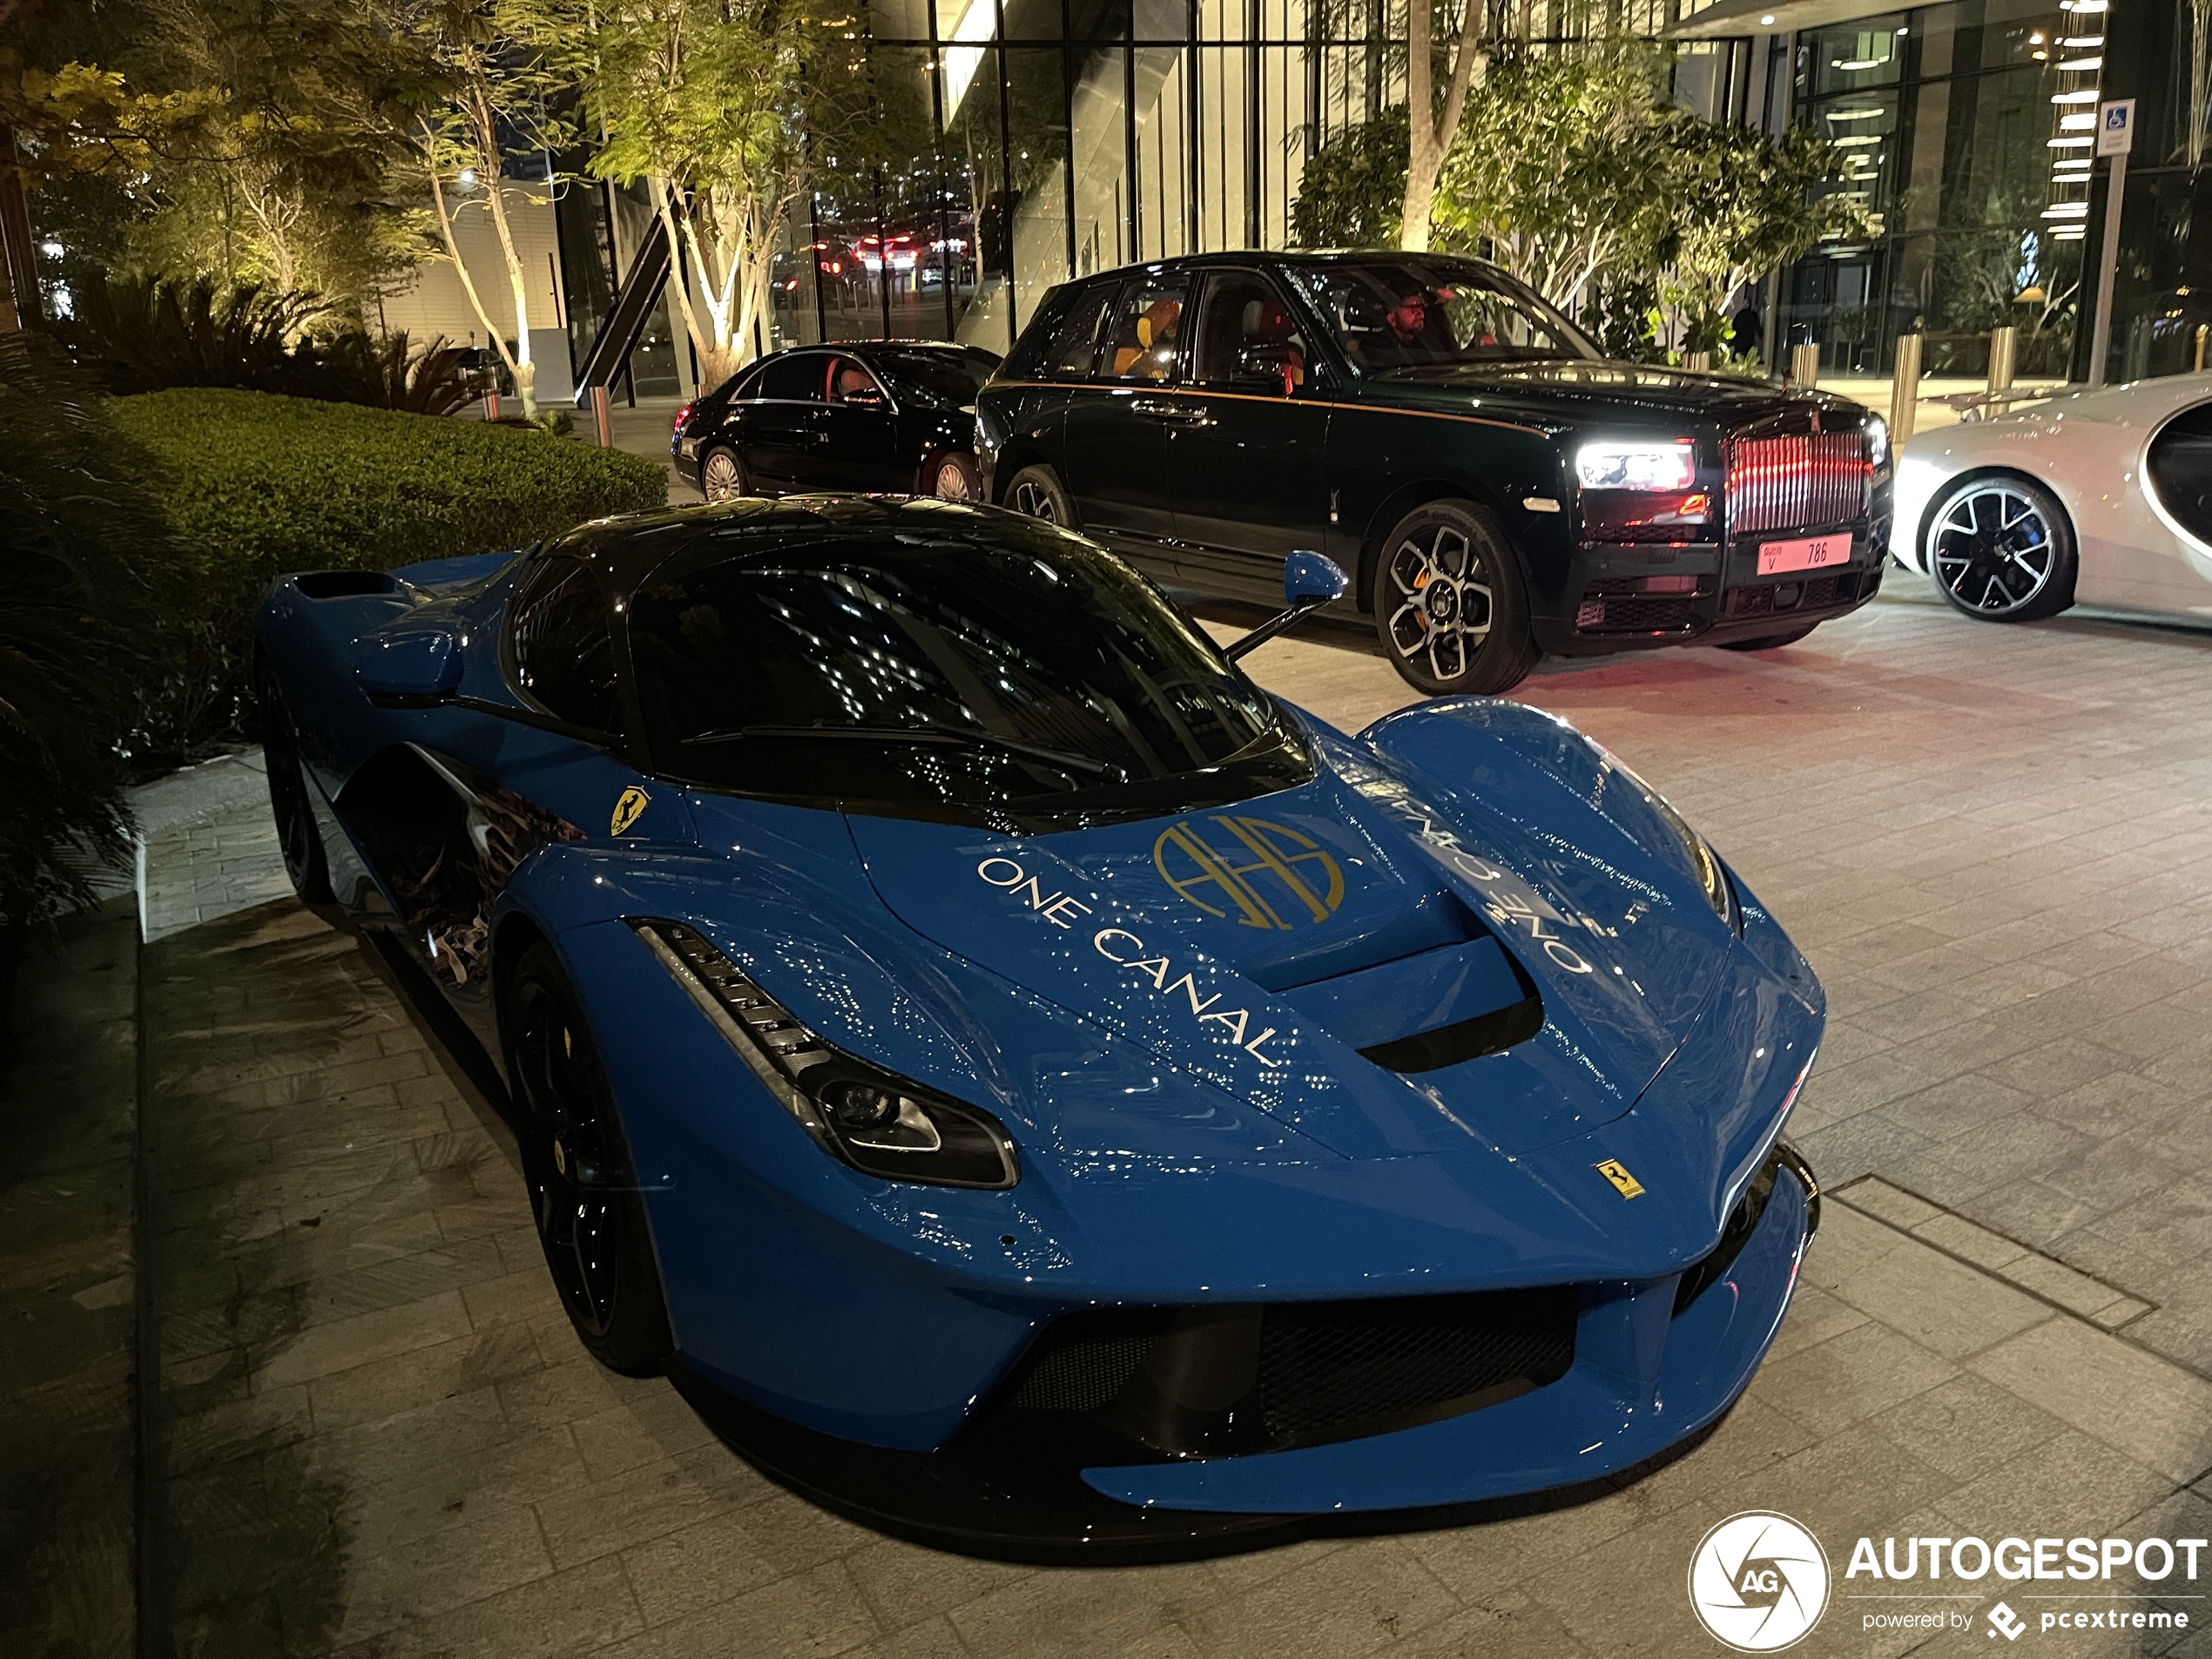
x,y
1023,142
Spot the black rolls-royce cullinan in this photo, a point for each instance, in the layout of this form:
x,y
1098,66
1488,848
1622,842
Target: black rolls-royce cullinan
x,y
894,417
1498,487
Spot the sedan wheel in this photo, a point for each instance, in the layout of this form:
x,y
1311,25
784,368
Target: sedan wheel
x,y
955,477
583,1195
1448,603
722,476
2002,550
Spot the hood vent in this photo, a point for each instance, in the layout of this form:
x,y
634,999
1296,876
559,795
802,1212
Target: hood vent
x,y
1424,1011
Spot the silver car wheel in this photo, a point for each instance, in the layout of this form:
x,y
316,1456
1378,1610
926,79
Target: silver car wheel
x,y
1034,500
721,478
1992,550
1444,600
951,483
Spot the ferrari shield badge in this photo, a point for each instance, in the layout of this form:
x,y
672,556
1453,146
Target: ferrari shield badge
x,y
1617,1172
629,807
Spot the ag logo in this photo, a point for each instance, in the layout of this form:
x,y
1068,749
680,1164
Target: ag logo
x,y
629,806
1758,1581
1271,876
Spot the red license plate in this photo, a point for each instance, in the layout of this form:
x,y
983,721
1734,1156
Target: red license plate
x,y
1810,554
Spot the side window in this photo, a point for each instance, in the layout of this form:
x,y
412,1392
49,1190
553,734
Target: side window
x,y
1247,337
796,379
1074,350
746,387
564,652
1145,330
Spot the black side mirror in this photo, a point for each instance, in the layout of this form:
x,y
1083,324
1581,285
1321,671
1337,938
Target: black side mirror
x,y
1265,365
1309,582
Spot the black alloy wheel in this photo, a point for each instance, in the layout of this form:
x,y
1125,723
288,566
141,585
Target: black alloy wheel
x,y
1769,641
583,1195
300,842
954,477
1038,492
2001,548
722,475
1448,602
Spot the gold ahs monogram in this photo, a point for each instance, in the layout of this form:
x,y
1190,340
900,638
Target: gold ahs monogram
x,y
1272,877
1617,1172
629,806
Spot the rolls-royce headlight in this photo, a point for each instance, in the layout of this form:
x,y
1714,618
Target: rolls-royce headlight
x,y
1878,443
873,1119
1666,464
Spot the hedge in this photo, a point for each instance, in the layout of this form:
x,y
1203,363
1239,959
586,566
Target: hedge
x,y
257,484
253,485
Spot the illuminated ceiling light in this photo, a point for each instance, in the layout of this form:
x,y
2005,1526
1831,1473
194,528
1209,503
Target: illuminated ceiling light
x,y
2066,210
2083,40
2081,5
2087,95
2076,123
1859,138
1853,115
2073,235
2035,39
2071,161
1857,63
1767,20
2083,66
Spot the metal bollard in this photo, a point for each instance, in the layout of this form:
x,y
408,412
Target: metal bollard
x,y
1904,390
1698,362
601,420
2202,329
1804,364
492,406
2001,344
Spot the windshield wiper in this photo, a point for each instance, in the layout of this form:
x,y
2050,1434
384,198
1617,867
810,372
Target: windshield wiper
x,y
944,737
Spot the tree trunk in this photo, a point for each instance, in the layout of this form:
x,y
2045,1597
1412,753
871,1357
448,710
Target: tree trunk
x,y
1431,130
525,371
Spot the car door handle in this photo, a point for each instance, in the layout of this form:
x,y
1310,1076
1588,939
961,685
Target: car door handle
x,y
1160,409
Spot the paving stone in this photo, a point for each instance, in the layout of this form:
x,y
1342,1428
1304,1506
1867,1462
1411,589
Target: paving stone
x,y
2143,1405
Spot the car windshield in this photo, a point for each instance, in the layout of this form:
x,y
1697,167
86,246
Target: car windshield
x,y
1395,315
979,669
942,379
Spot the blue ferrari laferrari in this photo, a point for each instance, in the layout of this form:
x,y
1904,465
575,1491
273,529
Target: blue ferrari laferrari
x,y
1027,1085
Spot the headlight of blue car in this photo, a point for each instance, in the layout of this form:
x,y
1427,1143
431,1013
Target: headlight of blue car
x,y
861,1114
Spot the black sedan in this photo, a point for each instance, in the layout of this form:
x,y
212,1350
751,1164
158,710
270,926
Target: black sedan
x,y
1498,487
883,416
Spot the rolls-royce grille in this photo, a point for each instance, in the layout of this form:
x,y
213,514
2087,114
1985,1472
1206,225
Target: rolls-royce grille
x,y
1799,482
1220,1381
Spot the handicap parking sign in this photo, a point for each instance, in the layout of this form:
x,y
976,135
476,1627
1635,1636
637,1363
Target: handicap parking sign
x,y
2116,127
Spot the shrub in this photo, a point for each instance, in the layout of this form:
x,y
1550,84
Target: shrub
x,y
252,486
75,595
142,334
392,374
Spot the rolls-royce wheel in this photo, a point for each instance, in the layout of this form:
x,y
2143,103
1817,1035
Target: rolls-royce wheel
x,y
1038,492
2002,548
1769,641
297,837
955,477
583,1194
1449,604
722,475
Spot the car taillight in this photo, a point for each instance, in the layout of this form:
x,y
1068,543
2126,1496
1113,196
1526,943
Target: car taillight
x,y
682,416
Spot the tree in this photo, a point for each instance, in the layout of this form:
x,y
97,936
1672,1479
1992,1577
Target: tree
x,y
720,108
1554,174
507,81
1354,190
1439,35
1743,205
